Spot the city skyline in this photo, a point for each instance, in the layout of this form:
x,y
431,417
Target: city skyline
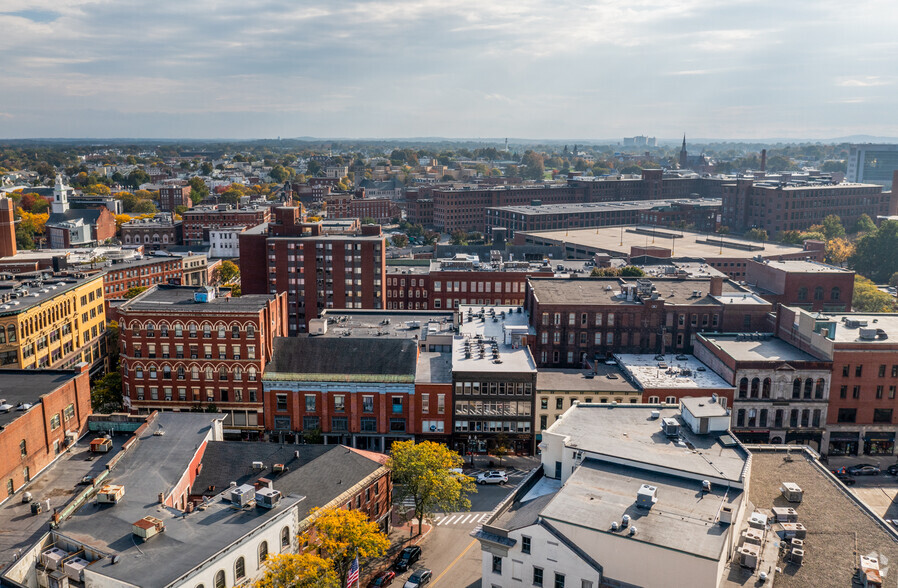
x,y
747,70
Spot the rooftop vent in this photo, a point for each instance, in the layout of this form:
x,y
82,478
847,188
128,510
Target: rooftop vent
x,y
706,485
242,496
646,496
670,426
147,527
625,521
656,414
632,531
792,492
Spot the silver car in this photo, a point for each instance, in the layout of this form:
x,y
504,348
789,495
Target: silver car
x,y
493,477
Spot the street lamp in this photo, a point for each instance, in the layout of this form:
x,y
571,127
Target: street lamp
x,y
472,439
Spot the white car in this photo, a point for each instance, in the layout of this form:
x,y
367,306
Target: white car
x,y
492,478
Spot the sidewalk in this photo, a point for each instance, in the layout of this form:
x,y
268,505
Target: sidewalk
x,y
401,535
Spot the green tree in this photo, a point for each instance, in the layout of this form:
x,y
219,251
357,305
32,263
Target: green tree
x,y
137,177
874,254
106,393
198,190
632,271
280,174
342,535
893,281
459,237
834,166
756,234
869,298
400,240
534,165
631,169
206,168
429,474
502,446
864,225
134,291
298,570
832,227
368,221
225,273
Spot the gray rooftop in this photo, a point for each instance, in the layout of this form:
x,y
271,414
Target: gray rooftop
x,y
740,348
683,519
401,325
165,298
490,324
574,380
672,371
629,432
592,207
39,289
604,291
23,387
434,368
347,359
803,266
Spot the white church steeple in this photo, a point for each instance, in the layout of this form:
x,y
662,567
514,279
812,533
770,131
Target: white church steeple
x,y
60,196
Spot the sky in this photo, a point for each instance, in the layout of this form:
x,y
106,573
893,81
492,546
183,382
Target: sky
x,y
559,69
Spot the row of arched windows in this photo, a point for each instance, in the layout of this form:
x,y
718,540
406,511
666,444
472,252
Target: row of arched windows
x,y
165,371
753,417
761,389
221,580
164,329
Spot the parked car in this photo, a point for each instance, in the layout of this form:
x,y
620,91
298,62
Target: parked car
x,y
493,477
419,577
864,469
407,557
382,579
846,479
892,469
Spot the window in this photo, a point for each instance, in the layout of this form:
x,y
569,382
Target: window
x,y
310,423
310,403
858,371
69,412
537,576
818,293
559,403
856,392
397,405
23,448
220,579
544,403
285,538
802,293
54,422
339,403
497,565
10,487
263,552
397,425
882,415
843,392
559,580
525,544
847,415
239,569
369,424
339,424
281,402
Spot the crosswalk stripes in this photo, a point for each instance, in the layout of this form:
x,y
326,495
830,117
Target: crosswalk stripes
x,y
463,518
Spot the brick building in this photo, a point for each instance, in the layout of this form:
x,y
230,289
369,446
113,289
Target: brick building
x,y
157,233
419,207
382,210
702,213
670,378
465,209
183,348
199,220
786,205
174,194
579,321
782,393
804,284
42,412
121,276
862,348
317,270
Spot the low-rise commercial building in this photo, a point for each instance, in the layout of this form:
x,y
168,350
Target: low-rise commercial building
x,y
201,219
810,285
671,378
157,233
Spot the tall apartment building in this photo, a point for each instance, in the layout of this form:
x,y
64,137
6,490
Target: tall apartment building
x,y
174,194
317,270
52,322
184,348
580,321
786,205
201,219
873,164
863,349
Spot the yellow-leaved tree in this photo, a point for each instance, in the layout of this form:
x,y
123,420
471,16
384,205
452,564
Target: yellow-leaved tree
x,y
430,474
838,250
342,535
298,570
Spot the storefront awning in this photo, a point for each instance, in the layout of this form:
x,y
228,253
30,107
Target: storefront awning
x,y
879,436
844,435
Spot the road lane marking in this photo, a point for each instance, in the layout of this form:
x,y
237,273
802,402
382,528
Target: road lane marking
x,y
484,517
454,561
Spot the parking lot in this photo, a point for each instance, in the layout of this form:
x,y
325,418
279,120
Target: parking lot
x,y
878,492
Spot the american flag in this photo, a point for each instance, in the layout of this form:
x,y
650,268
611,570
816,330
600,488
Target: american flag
x,y
353,576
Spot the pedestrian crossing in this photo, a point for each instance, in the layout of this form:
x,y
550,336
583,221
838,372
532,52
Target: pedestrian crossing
x,y
460,518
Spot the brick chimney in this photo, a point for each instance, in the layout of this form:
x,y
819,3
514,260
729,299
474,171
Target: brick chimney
x,y
716,286
7,228
763,160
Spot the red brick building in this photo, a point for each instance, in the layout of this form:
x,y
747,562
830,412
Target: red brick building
x,y
317,270
159,232
184,348
863,349
673,377
174,194
42,412
584,320
810,285
199,220
120,277
381,210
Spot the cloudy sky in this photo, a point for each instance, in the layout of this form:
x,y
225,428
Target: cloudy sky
x,y
453,68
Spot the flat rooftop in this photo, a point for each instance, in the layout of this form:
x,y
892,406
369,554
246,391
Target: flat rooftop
x,y
764,348
595,207
603,291
166,298
604,378
29,290
837,522
21,388
628,432
434,368
741,298
676,268
347,359
684,243
846,334
393,324
684,518
492,324
805,267
670,371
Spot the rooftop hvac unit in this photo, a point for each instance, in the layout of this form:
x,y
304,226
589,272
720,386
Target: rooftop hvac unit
x,y
147,527
752,536
242,495
656,414
277,468
870,573
258,465
797,556
726,515
646,496
749,556
791,492
867,334
797,544
52,558
785,514
757,521
110,494
670,426
267,497
794,531
74,568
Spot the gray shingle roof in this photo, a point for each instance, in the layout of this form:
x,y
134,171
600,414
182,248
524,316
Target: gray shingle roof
x,y
346,359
